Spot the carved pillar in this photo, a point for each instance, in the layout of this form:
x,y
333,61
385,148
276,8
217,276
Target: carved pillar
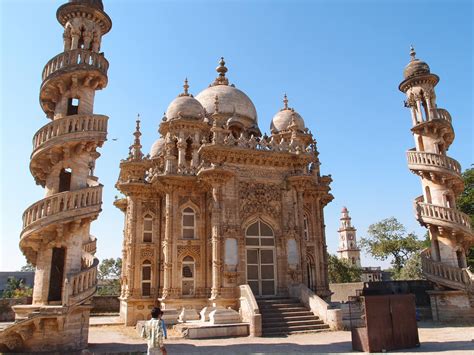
x,y
181,152
167,246
302,241
216,241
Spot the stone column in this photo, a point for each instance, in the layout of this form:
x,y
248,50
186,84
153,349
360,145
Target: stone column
x,y
302,242
181,152
216,242
167,245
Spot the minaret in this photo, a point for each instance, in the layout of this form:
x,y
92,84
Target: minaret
x,y
441,178
348,249
56,230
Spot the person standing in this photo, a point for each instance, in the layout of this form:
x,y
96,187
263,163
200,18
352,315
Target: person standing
x,y
154,331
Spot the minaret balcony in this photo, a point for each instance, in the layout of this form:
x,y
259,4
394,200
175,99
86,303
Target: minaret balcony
x,y
90,247
443,217
70,128
81,285
60,208
425,162
76,59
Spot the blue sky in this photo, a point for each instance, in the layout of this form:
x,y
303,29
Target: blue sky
x,y
340,62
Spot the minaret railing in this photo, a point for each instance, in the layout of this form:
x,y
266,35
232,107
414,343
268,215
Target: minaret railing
x,y
433,160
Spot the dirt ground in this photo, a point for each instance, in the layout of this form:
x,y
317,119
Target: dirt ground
x,y
434,338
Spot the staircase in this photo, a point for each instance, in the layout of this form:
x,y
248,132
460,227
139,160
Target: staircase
x,y
283,316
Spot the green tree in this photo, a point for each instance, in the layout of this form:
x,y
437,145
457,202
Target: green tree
x,y
412,269
28,267
389,239
340,271
465,204
16,288
109,274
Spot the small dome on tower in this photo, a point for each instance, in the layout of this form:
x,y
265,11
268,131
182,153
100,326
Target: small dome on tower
x,y
231,100
93,3
344,209
157,147
416,66
285,118
185,106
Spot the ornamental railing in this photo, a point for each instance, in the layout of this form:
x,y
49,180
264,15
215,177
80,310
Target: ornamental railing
x,y
81,285
445,215
434,160
90,247
62,202
443,114
69,125
76,57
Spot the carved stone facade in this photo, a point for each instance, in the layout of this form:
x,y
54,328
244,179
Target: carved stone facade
x,y
216,205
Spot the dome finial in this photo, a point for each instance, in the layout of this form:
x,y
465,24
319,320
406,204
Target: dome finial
x,y
285,102
216,104
135,149
186,86
412,53
221,69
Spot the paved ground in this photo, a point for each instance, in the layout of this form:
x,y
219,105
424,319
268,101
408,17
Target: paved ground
x,y
113,339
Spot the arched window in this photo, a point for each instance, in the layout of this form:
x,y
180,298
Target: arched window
x,y
305,227
147,228
428,194
146,278
189,223
187,274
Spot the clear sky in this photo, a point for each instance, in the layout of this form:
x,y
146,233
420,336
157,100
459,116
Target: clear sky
x,y
340,62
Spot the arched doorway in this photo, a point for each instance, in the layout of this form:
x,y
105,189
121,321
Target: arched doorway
x,y
187,287
261,267
311,271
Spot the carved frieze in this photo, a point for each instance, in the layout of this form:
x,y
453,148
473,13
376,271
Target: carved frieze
x,y
259,198
191,250
147,252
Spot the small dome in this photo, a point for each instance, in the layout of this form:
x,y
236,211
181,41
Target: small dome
x,y
185,107
415,67
285,117
157,148
93,3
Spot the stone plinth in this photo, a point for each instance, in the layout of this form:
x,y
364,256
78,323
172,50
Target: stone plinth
x,y
451,306
224,316
188,314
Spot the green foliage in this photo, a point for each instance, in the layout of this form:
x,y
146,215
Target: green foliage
x,y
109,277
465,203
28,267
412,269
389,239
16,288
340,271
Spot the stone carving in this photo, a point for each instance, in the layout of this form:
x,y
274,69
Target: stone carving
x,y
147,253
259,198
191,250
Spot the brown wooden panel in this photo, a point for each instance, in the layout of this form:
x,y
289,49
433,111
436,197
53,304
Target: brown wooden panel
x,y
405,329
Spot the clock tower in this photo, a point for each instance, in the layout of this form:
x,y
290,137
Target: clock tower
x,y
347,240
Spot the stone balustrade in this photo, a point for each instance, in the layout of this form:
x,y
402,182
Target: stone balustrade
x,y
90,247
455,276
433,160
76,57
69,125
62,202
269,144
81,285
249,310
443,216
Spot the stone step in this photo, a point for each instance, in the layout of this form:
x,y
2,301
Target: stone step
x,y
278,334
286,314
293,328
279,300
266,325
279,305
279,317
284,309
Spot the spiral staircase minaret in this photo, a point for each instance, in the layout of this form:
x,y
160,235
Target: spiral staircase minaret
x,y
444,263
56,230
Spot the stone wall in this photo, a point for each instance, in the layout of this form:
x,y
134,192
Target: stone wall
x,y
342,291
451,306
105,304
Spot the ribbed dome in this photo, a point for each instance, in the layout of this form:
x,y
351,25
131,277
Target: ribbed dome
x,y
185,107
415,67
284,118
231,100
157,148
93,3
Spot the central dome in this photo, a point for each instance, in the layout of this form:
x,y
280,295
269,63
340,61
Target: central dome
x,y
232,101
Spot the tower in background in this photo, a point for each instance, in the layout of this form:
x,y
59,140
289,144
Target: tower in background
x,y
348,248
55,237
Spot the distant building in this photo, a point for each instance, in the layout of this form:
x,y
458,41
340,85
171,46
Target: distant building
x,y
371,273
348,249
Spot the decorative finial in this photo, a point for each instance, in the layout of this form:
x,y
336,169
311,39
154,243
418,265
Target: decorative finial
x,y
285,102
221,69
136,147
216,104
186,86
412,53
